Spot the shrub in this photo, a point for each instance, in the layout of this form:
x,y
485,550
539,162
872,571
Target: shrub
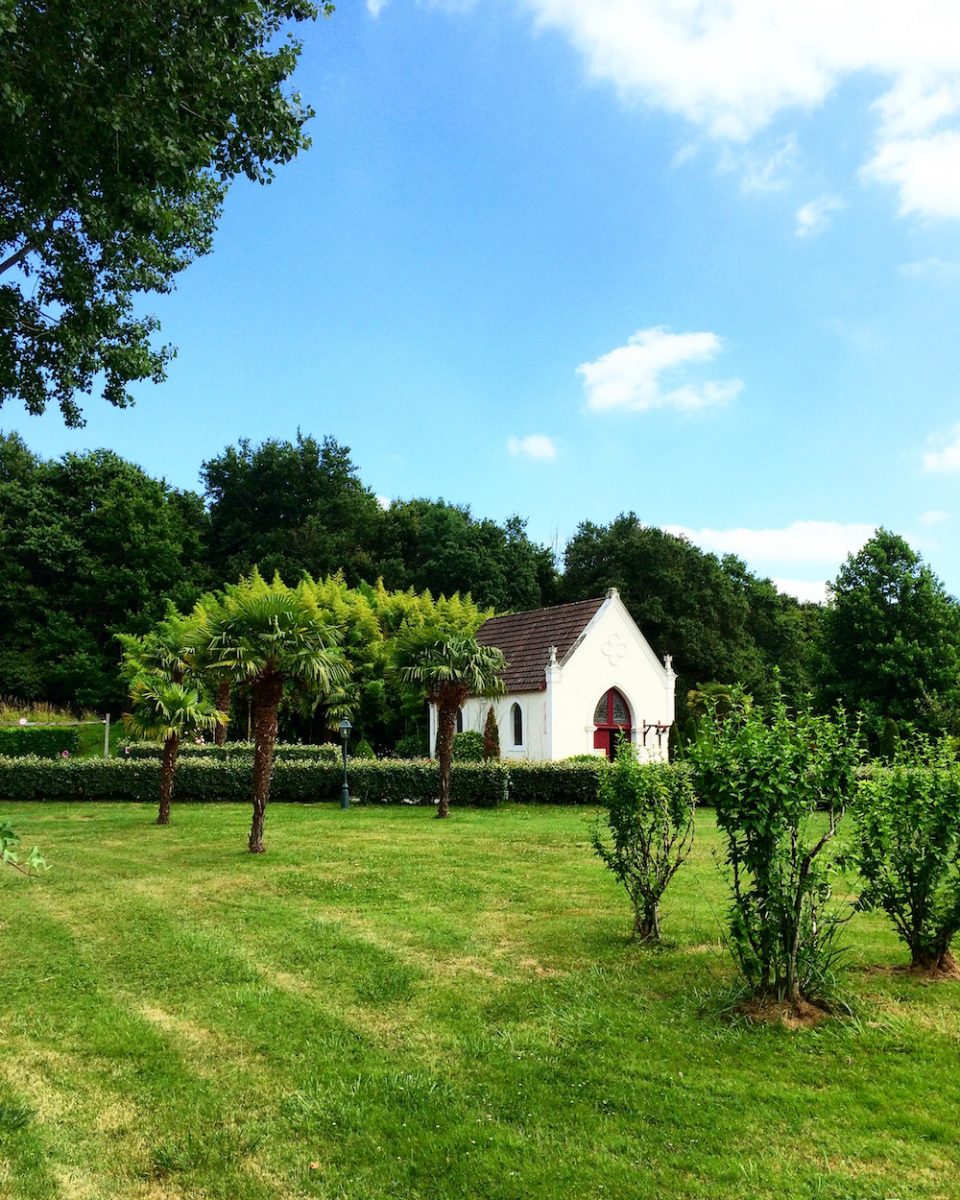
x,y
363,749
19,740
556,782
907,847
768,776
889,743
468,746
650,822
491,735
411,745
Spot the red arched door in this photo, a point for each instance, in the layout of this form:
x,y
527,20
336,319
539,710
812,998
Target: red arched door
x,y
612,719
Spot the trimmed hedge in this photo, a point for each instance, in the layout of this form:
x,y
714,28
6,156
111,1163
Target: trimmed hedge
x,y
386,781
207,779
16,741
556,782
325,752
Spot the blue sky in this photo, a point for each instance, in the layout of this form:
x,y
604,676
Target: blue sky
x,y
567,258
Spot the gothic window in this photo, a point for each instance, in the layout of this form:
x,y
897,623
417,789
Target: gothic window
x,y
612,710
459,720
516,716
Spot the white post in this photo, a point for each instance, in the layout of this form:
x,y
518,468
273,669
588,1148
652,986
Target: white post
x,y
106,737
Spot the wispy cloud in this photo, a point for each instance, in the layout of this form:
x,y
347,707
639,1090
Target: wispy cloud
x,y
731,68
814,216
534,445
945,457
769,172
376,7
935,516
652,371
931,268
812,542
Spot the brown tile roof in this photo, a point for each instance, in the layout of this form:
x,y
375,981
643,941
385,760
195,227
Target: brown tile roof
x,y
526,637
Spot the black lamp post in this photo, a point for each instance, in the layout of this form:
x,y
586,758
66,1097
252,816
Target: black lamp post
x,y
345,728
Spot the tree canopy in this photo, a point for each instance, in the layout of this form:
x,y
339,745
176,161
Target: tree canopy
x,y
891,636
121,126
292,508
91,547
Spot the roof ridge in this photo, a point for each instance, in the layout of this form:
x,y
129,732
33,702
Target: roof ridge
x,y
548,608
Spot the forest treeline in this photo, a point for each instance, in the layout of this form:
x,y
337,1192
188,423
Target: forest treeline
x,y
92,546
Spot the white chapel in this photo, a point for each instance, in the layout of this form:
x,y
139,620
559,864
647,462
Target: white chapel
x,y
579,676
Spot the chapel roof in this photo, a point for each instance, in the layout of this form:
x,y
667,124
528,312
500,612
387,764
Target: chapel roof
x,y
526,637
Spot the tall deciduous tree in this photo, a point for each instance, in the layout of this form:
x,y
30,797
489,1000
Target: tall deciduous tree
x,y
91,546
449,670
271,638
891,635
443,548
291,508
121,126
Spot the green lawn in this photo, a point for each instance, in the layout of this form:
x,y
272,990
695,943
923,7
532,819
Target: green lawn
x,y
390,1006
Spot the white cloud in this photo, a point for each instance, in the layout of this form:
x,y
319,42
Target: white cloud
x,y
931,268
825,542
935,516
814,217
946,457
813,591
384,502
925,169
534,445
376,7
731,67
648,373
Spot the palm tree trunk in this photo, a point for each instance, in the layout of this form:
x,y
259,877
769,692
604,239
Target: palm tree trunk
x,y
168,764
223,703
266,697
446,727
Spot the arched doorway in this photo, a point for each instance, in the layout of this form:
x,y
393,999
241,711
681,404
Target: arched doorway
x,y
612,719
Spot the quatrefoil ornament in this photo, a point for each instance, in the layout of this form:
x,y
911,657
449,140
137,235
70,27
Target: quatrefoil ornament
x,y
615,649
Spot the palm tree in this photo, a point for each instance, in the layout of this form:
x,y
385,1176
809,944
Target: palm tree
x,y
269,637
449,669
211,605
166,711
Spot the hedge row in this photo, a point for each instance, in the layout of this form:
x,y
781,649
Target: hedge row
x,y
42,742
325,752
555,782
392,781
294,780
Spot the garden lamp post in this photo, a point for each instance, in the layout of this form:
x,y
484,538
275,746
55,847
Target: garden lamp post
x,y
345,728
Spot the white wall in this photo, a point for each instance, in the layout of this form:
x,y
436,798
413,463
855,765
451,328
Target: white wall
x,y
533,707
